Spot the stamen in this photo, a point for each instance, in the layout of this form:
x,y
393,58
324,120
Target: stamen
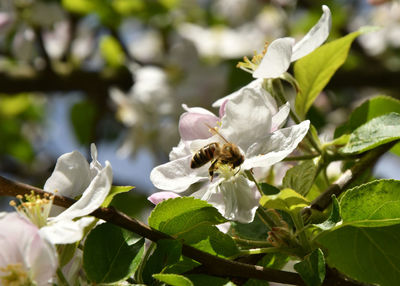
x,y
14,275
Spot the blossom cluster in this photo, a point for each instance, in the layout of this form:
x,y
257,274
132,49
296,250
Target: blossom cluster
x,y
214,161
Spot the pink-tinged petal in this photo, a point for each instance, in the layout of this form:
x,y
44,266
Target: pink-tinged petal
x,y
279,119
277,59
275,146
315,37
177,175
157,198
222,108
194,126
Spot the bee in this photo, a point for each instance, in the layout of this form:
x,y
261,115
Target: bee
x,y
219,154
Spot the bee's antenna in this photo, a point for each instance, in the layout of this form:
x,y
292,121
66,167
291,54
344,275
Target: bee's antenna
x,y
214,130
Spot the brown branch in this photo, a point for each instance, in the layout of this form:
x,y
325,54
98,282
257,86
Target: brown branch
x,y
349,176
75,80
214,265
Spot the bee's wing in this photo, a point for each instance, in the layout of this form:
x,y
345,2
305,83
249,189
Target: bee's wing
x,y
200,143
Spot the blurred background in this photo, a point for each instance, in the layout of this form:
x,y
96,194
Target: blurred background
x,y
116,72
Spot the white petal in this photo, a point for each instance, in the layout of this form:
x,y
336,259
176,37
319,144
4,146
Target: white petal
x,y
253,84
66,231
92,197
315,37
236,199
182,150
276,146
279,119
247,118
199,110
95,165
70,177
277,59
176,175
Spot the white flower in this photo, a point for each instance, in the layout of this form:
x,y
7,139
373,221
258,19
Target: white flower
x,y
281,52
251,121
73,177
26,257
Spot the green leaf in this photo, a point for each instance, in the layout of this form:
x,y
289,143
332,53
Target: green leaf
x,y
115,190
335,216
209,239
173,279
255,230
268,189
376,132
287,200
112,51
369,237
314,71
373,204
111,253
367,254
168,252
300,177
181,214
370,109
312,268
82,116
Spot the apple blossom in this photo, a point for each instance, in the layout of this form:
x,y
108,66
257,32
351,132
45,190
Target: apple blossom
x,y
281,52
251,121
73,177
26,257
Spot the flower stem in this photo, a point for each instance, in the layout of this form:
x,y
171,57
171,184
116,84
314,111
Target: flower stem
x,y
251,243
139,272
254,251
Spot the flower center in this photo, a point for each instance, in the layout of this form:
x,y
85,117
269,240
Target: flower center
x,y
34,208
251,65
227,172
15,275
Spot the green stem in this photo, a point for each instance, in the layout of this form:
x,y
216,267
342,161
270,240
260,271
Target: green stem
x,y
254,251
61,278
301,158
139,272
251,243
249,175
298,222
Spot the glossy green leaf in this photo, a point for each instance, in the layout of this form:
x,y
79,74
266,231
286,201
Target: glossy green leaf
x,y
173,279
115,190
255,230
370,109
168,252
268,189
111,253
314,71
334,217
312,268
287,200
376,132
367,254
209,239
112,51
373,204
300,177
182,214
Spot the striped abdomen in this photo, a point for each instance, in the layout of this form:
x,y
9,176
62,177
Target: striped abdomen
x,y
204,155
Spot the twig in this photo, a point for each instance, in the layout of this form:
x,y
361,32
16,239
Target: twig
x,y
340,185
215,265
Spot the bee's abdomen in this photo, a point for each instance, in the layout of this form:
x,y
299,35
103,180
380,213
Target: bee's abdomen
x,y
204,155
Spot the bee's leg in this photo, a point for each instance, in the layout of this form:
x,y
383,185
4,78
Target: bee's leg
x,y
211,170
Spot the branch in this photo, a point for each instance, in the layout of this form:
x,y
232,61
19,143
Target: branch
x,y
214,265
349,176
75,80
